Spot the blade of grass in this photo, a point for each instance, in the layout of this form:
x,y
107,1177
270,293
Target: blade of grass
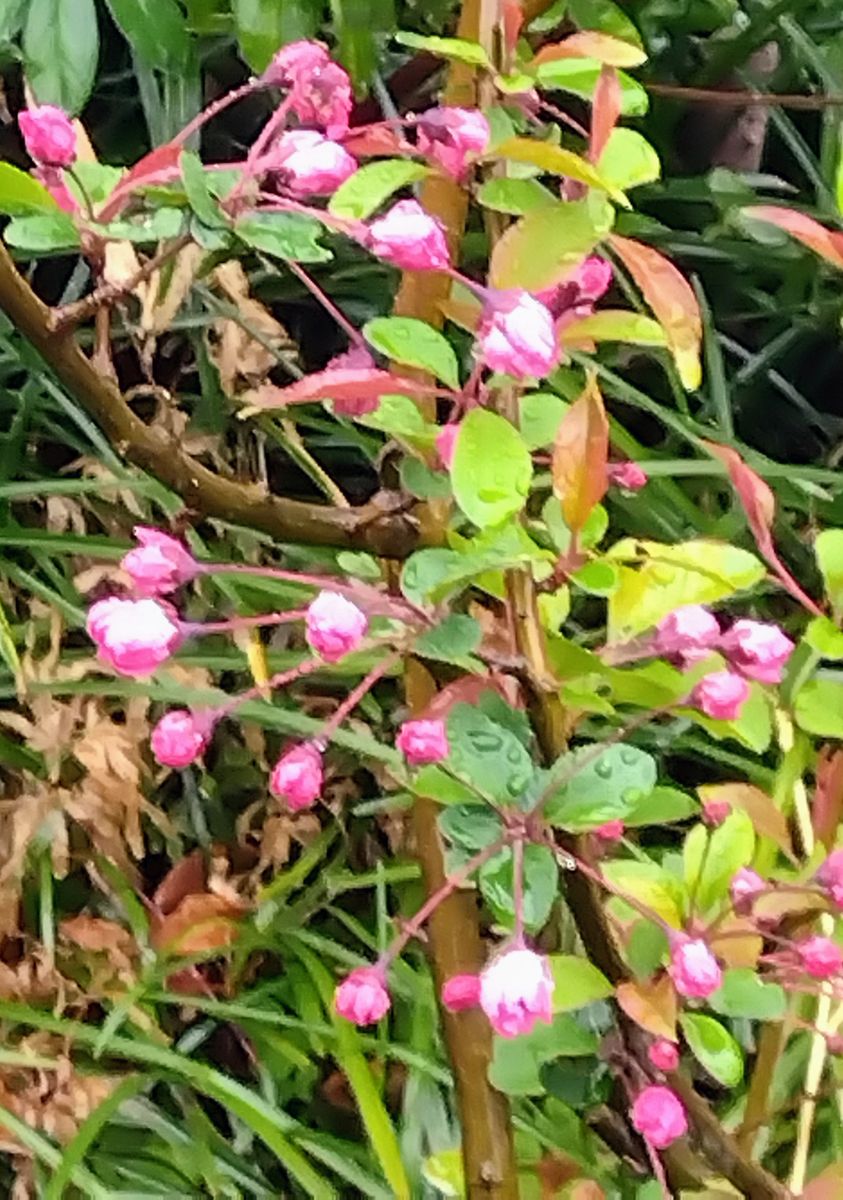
x,y
47,1153
74,1152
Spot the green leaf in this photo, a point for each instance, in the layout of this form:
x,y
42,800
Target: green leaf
x,y
541,885
60,49
472,826
259,28
829,551
155,30
516,1062
823,636
471,53
430,575
745,994
491,469
148,226
436,784
558,161
662,806
452,640
818,707
714,1048
55,233
11,18
628,159
284,235
576,982
546,245
414,343
445,1174
8,650
98,179
580,75
399,416
616,325
606,17
368,187
487,756
650,884
539,416
515,196
20,194
694,572
422,481
198,193
646,948
730,847
603,790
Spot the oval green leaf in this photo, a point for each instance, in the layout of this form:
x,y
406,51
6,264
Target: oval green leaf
x,y
414,343
368,187
713,1047
491,470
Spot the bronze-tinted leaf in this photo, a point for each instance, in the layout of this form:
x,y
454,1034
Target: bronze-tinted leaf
x,y
605,110
651,1004
825,242
768,820
580,454
588,43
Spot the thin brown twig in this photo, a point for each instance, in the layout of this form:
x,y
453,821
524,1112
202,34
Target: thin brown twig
x,y
738,98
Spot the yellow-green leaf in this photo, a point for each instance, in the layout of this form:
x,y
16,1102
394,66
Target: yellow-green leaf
x,y
548,244
615,325
628,159
589,43
558,161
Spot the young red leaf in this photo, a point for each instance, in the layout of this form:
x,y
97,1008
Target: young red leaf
x,y
373,143
671,298
337,383
825,242
155,167
605,110
580,454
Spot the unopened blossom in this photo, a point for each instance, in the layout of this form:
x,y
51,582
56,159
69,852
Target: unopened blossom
x,y
516,991
610,831
693,968
746,884
516,335
659,1116
134,636
830,876
626,475
297,777
593,278
362,996
49,135
691,629
664,1054
159,563
334,626
757,649
52,178
449,135
354,359
310,164
180,737
410,238
446,443
423,741
295,61
461,992
576,295
721,695
323,97
820,956
715,812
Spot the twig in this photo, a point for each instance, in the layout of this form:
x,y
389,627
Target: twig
x,y
736,98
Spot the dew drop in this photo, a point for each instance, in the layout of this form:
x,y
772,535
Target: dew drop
x,y
604,769
629,756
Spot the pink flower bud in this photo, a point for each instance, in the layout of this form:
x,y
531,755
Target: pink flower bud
x,y
449,135
715,812
517,335
410,238
745,886
627,475
610,831
295,61
830,876
160,563
53,180
820,957
49,135
354,406
335,626
323,97
516,991
310,164
576,295
659,1116
423,742
664,1055
446,443
757,650
362,996
593,278
297,777
461,992
134,636
691,628
721,695
693,968
180,737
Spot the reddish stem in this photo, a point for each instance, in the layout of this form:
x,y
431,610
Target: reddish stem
x,y
197,628
354,335
354,697
518,889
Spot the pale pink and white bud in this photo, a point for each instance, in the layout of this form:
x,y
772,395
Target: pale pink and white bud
x,y
310,164
49,135
745,886
693,968
423,741
409,238
516,991
134,636
757,649
721,695
461,992
664,1055
449,135
659,1116
323,97
627,475
334,626
820,957
362,996
689,629
517,337
295,61
297,777
159,563
180,737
